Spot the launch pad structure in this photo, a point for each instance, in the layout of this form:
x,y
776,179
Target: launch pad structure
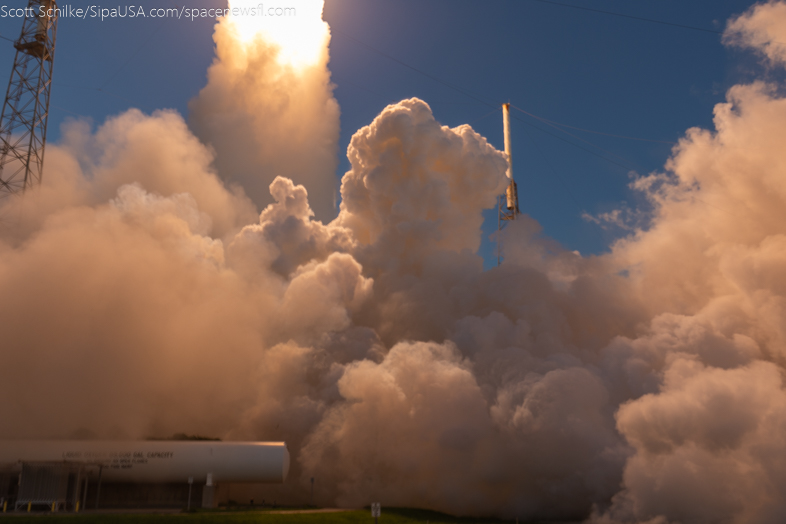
x,y
26,107
507,204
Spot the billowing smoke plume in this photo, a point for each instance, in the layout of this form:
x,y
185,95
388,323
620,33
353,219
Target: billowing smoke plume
x,y
646,385
268,108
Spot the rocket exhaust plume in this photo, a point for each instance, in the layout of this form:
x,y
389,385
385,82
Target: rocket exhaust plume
x,y
295,29
141,295
268,108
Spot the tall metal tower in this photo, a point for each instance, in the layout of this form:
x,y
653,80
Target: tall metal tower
x,y
508,206
26,107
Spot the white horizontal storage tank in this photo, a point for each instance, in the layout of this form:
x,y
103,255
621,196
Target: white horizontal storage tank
x,y
160,460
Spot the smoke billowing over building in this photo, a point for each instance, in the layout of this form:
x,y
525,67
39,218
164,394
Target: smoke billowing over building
x,y
141,295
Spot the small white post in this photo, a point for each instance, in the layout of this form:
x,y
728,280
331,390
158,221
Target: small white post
x,y
376,510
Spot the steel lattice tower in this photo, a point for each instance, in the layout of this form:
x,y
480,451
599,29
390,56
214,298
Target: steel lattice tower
x,y
26,107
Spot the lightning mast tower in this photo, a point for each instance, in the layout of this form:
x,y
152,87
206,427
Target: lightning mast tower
x,y
26,107
509,209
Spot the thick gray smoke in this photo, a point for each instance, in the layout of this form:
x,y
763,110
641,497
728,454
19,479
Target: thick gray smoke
x,y
646,385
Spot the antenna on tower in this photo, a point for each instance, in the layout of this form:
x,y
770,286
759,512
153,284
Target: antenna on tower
x,y
26,106
508,206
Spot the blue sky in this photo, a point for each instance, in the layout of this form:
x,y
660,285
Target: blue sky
x,y
582,68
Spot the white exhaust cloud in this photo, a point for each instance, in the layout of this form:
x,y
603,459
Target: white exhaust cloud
x,y
142,296
268,108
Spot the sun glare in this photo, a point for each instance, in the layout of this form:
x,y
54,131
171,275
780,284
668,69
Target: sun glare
x,y
295,25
